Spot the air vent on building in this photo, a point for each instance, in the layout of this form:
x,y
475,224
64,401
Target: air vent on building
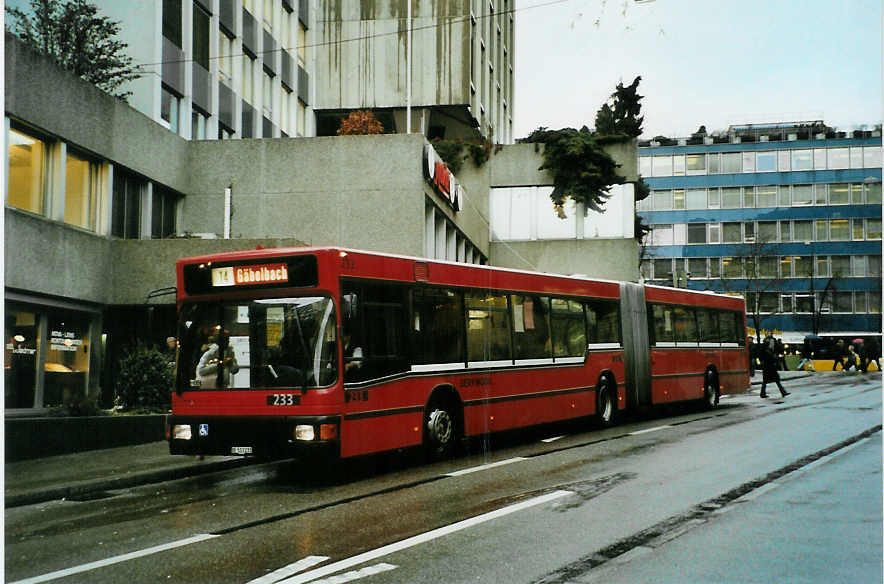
x,y
421,271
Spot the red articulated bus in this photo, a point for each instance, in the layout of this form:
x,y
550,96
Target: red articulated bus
x,y
284,352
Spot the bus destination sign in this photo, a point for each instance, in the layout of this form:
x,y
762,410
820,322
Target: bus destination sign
x,y
250,275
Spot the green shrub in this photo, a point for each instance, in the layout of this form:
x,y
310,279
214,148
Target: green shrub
x,y
77,405
144,380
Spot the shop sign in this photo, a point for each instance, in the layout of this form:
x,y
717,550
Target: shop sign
x,y
64,341
250,275
442,179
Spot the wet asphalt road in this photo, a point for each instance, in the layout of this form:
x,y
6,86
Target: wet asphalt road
x,y
563,504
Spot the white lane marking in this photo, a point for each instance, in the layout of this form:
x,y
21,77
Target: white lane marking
x,y
289,570
458,473
421,538
116,559
548,440
357,574
646,430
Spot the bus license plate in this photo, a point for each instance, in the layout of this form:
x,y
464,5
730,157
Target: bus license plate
x,y
241,450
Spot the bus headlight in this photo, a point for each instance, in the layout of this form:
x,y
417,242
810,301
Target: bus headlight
x,y
305,432
181,432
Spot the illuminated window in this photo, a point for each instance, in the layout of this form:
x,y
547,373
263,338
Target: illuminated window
x,y
27,172
80,193
802,160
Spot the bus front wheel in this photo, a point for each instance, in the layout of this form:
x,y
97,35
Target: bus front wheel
x,y
440,430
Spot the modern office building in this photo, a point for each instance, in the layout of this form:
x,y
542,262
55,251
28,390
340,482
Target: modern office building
x,y
275,68
788,214
461,55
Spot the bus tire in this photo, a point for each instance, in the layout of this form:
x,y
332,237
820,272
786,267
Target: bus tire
x,y
710,389
441,428
604,403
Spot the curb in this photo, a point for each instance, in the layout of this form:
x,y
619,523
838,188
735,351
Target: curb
x,y
134,480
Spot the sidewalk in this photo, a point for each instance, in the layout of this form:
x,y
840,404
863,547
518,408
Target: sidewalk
x,y
86,474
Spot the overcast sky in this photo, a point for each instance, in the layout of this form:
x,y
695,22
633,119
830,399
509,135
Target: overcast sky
x,y
710,62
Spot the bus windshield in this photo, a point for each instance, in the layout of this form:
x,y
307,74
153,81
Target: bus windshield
x,y
278,342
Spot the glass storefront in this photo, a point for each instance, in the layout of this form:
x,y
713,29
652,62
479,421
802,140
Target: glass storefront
x,y
47,357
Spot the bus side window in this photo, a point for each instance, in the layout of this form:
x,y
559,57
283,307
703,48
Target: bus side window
x,y
603,318
568,328
436,326
377,327
488,327
531,327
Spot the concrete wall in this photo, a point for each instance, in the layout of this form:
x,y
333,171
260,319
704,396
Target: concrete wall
x,y
365,192
616,259
372,72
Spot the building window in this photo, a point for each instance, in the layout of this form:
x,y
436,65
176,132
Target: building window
x,y
748,197
662,200
873,194
225,56
802,231
678,199
767,267
696,233
81,191
169,109
663,269
22,351
248,68
644,165
766,161
172,21
697,268
695,163
663,234
839,230
302,118
856,157
268,15
714,233
267,102
732,232
731,267
201,36
678,164
840,267
714,162
126,213
731,162
802,160
873,229
198,123
819,159
842,302
714,199
838,194
767,196
783,161
767,231
748,162
872,157
802,195
821,230
839,158
696,199
163,220
662,166
821,269
27,172
730,198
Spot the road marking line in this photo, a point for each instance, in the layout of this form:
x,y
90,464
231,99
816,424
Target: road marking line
x,y
646,430
357,574
458,473
289,570
116,559
421,538
547,440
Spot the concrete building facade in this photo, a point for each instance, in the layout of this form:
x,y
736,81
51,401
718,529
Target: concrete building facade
x,y
800,200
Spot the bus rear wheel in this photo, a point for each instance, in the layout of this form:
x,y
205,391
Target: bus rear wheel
x,y
604,404
710,390
440,430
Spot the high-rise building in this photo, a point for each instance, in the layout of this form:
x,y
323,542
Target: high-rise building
x,y
217,69
788,214
460,54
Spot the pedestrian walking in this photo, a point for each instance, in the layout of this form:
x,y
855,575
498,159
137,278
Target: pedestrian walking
x,y
839,352
872,353
851,360
806,357
781,355
769,371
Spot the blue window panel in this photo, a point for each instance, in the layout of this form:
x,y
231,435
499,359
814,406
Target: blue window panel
x,y
761,214
752,146
749,179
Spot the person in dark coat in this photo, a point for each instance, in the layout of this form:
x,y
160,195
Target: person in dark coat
x,y
872,353
769,372
840,351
